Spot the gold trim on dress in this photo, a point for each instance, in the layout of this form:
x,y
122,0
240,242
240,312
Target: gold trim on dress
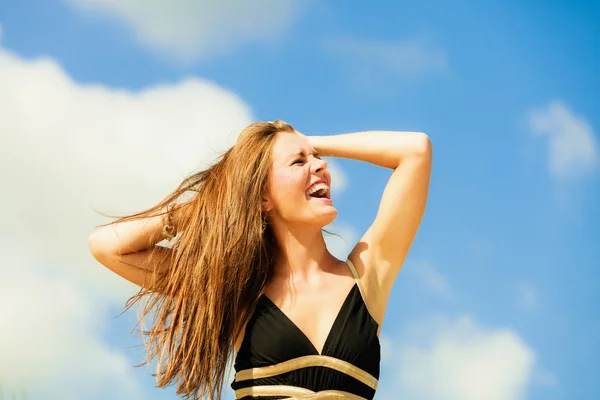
x,y
358,283
298,393
305,362
272,390
329,395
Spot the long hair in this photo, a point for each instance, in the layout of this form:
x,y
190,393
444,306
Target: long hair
x,y
218,267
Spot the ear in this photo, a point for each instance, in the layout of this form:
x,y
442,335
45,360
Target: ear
x,y
267,204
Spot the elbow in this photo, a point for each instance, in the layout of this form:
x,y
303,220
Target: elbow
x,y
422,145
94,246
415,145
98,245
424,151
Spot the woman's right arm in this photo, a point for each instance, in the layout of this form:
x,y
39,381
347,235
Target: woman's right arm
x,y
129,248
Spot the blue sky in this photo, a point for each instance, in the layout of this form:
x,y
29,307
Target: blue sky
x,y
499,295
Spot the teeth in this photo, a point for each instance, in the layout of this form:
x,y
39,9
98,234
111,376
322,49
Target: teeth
x,y
316,188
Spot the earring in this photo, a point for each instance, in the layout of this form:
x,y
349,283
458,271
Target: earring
x,y
264,224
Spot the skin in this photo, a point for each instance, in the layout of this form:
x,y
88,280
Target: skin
x,y
310,284
307,276
297,218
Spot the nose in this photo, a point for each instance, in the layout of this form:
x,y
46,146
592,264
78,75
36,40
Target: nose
x,y
318,165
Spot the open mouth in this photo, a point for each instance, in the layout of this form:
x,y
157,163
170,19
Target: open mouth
x,y
319,191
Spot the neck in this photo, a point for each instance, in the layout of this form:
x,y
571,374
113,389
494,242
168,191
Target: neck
x,y
303,252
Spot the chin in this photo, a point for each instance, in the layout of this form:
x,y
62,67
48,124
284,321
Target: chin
x,y
328,218
311,218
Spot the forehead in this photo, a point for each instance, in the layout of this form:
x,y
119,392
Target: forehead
x,y
288,144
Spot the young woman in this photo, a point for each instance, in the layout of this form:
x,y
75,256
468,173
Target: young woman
x,y
249,275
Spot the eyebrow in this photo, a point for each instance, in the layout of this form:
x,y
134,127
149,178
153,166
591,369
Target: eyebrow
x,y
301,153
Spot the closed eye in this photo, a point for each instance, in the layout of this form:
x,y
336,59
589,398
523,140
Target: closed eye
x,y
298,162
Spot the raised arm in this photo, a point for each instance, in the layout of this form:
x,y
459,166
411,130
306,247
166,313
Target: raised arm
x,y
380,253
129,248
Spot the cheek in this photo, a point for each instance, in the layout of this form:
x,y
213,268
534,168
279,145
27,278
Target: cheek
x,y
287,189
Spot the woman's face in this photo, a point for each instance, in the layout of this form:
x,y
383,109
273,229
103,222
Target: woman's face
x,y
299,184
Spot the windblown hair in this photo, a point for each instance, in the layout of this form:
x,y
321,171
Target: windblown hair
x,y
218,267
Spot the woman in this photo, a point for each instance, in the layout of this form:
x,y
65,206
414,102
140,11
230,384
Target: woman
x,y
249,272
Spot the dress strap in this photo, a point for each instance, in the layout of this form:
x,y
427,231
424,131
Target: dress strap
x,y
358,283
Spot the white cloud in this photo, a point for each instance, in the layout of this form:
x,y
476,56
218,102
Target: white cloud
x,y
49,340
528,297
572,146
191,30
460,359
66,149
341,244
405,58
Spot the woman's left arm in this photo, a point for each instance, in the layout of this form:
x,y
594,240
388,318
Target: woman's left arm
x,y
386,243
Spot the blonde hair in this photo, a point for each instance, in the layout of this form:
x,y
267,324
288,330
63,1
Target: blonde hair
x,y
218,267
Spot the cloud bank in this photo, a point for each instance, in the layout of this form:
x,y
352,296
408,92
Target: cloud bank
x,y
197,30
65,150
449,359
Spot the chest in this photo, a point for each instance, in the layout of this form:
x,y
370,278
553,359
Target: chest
x,y
313,315
271,337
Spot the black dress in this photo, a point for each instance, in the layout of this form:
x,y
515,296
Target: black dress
x,y
277,361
